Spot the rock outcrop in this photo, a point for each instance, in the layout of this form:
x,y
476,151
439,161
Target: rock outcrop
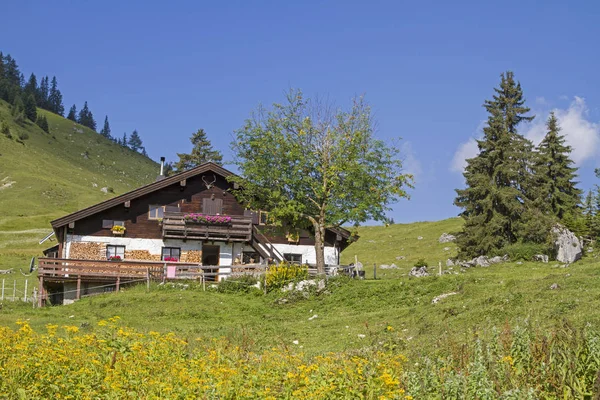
x,y
446,238
567,245
541,258
418,272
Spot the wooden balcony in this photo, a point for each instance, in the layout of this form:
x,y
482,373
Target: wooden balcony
x,y
176,227
68,269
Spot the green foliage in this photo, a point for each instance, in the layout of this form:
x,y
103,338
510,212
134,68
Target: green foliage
x,y
312,167
5,130
72,113
18,110
55,103
497,203
42,122
23,136
524,251
29,107
421,263
86,118
202,152
284,273
240,284
135,142
106,128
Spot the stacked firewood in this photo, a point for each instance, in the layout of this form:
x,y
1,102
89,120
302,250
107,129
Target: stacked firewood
x,y
141,255
191,256
87,251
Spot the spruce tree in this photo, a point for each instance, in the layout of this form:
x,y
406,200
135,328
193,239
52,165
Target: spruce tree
x,y
31,87
72,113
555,175
43,93
135,142
124,140
86,118
42,122
202,152
496,203
55,103
106,128
18,110
29,107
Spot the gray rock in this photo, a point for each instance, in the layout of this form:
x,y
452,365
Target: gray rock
x,y
104,190
496,260
519,263
418,272
441,297
446,237
385,266
541,258
481,261
399,258
446,248
420,238
449,263
554,286
567,245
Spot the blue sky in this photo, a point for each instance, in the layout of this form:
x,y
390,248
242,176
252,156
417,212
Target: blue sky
x,y
169,68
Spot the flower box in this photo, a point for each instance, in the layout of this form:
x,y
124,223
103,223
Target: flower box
x,y
118,230
203,219
171,259
114,258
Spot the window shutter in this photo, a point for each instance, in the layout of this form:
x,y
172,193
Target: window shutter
x,y
212,206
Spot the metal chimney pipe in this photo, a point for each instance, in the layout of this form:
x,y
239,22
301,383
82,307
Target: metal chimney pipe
x,y
162,166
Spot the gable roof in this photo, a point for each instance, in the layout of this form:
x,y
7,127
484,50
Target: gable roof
x,y
139,192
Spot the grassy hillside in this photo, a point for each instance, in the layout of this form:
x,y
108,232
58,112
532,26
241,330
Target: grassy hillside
x,y
49,175
509,293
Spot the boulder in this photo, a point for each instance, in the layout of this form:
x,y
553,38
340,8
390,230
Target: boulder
x,y
446,237
418,272
400,258
449,263
567,245
554,286
420,238
541,258
481,261
385,266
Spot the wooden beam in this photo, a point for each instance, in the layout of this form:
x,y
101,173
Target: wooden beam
x,y
41,292
78,294
118,284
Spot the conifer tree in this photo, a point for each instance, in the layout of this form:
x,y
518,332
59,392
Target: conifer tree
x,y
55,103
42,122
72,113
589,213
135,142
496,203
31,87
555,175
43,93
86,118
29,107
202,152
124,140
106,128
18,110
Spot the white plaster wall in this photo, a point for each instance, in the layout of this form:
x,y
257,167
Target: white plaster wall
x,y
309,254
154,246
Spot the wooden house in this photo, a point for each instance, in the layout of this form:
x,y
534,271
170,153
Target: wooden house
x,y
187,222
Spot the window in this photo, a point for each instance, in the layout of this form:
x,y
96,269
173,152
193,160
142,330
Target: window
x,y
293,258
171,254
115,251
263,218
155,211
118,223
107,223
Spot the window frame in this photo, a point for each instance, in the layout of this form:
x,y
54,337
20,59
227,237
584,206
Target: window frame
x,y
260,217
156,208
162,252
116,247
293,255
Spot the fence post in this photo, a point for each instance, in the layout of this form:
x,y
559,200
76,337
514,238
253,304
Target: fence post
x,y
266,270
439,268
374,270
25,294
203,282
78,293
2,290
41,292
14,289
118,286
147,279
34,297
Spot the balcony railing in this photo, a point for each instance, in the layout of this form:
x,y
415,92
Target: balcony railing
x,y
176,227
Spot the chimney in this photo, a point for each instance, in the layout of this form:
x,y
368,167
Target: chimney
x,y
162,170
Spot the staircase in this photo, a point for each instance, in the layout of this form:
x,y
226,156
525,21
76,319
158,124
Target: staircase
x,y
264,247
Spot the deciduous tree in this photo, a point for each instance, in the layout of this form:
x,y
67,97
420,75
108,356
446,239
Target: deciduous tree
x,y
310,165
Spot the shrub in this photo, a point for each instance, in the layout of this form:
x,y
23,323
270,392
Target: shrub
x,y
110,189
5,130
23,136
238,284
524,251
421,263
284,273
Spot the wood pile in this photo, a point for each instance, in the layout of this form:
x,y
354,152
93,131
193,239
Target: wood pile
x,y
141,255
87,251
191,256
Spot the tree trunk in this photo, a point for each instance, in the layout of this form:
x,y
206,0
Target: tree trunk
x,y
320,248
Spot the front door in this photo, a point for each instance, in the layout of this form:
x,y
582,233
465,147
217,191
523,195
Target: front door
x,y
210,256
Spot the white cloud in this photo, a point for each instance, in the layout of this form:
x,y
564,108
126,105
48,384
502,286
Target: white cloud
x,y
410,163
580,133
465,151
541,100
